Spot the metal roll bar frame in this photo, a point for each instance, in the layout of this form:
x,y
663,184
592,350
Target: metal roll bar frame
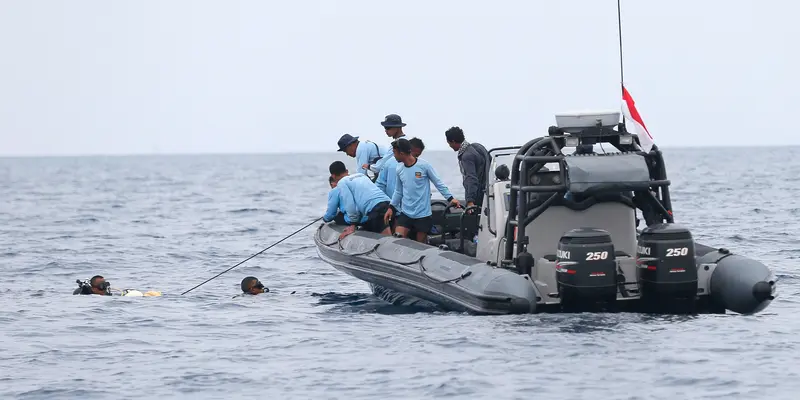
x,y
533,155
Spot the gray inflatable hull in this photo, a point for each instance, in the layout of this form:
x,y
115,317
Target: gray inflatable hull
x,y
736,283
410,272
405,272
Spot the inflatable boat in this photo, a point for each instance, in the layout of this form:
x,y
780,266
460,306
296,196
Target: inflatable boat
x,y
559,232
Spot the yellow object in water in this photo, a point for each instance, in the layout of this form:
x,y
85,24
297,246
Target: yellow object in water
x,y
136,293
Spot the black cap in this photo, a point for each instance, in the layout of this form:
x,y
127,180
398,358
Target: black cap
x,y
402,145
346,140
393,121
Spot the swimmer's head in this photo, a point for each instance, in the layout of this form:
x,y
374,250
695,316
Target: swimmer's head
x,y
100,286
251,285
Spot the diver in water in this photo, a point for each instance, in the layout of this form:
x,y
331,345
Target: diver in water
x,y
251,285
98,285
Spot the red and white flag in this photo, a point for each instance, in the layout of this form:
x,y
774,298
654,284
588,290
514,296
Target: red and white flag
x,y
631,113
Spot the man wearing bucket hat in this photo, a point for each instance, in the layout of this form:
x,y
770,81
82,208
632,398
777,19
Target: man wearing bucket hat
x,y
393,126
366,153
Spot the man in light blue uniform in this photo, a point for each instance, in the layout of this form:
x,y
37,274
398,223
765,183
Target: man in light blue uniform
x,y
393,126
366,153
387,176
412,192
417,147
388,173
360,200
334,202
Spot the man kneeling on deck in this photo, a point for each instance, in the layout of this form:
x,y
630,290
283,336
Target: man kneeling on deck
x,y
333,212
360,200
412,192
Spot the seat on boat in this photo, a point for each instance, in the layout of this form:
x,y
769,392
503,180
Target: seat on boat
x,y
446,222
467,229
438,208
470,247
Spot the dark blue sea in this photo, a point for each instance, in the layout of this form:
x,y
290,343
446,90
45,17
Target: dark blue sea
x,y
167,223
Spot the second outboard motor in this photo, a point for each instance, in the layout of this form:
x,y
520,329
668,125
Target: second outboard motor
x,y
586,268
666,264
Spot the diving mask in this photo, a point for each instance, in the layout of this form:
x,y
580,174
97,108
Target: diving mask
x,y
260,285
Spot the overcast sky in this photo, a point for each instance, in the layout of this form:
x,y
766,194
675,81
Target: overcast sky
x,y
167,76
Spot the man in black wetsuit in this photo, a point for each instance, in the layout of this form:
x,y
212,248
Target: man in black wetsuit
x,y
97,285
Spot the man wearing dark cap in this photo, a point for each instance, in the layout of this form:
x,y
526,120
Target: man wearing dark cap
x,y
366,153
472,160
393,126
412,193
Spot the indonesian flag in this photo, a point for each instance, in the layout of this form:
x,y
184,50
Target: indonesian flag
x,y
631,113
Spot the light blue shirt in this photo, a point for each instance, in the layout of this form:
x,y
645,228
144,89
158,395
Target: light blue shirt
x,y
334,201
366,151
413,189
387,155
387,177
359,196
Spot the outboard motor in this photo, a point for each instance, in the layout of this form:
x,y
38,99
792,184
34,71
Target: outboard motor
x,y
586,268
666,265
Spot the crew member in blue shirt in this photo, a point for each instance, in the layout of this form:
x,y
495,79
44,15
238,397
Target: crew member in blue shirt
x,y
360,200
366,153
412,193
332,213
335,202
417,147
393,127
387,176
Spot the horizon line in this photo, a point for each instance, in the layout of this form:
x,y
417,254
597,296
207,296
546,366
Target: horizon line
x,y
257,153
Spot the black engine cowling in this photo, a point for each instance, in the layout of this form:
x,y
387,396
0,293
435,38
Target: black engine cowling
x,y
666,263
586,269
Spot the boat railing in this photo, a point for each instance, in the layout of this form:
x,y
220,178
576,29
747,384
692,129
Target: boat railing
x,y
646,177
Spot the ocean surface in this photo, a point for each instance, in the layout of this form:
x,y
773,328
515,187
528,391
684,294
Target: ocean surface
x,y
167,223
